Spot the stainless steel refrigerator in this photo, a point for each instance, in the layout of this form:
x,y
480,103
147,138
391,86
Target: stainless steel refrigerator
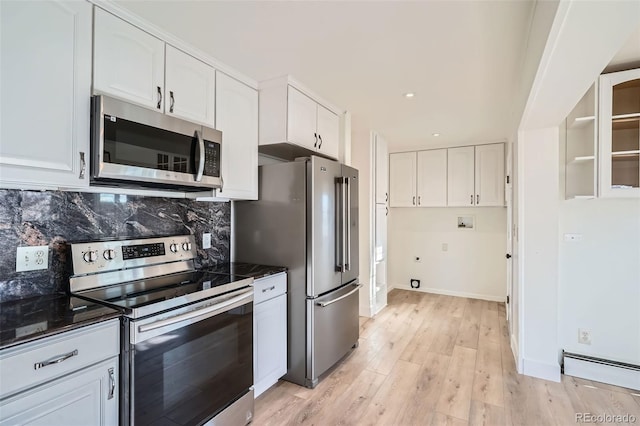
x,y
306,219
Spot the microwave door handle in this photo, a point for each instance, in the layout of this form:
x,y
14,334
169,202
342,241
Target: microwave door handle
x,y
198,135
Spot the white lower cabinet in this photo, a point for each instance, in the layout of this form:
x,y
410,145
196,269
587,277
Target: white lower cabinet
x,y
88,397
269,331
66,379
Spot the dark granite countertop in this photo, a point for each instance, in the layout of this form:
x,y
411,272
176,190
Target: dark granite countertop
x,y
33,318
247,269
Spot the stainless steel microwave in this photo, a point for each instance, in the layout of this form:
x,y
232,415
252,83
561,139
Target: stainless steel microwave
x,y
133,145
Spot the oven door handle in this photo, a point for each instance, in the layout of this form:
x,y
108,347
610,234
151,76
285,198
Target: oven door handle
x,y
205,312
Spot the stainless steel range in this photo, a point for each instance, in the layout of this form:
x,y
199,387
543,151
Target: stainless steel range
x,y
187,335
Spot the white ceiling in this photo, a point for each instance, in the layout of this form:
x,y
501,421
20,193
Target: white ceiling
x,y
461,58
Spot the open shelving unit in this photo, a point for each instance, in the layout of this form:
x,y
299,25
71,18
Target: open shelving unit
x,y
580,155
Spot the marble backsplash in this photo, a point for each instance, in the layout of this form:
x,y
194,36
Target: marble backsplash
x,y
56,218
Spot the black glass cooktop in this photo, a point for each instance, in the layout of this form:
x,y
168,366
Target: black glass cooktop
x,y
165,292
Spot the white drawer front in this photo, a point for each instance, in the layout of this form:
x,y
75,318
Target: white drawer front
x,y
24,366
269,287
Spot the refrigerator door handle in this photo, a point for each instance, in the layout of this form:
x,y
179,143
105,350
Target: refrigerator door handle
x,y
347,225
340,226
343,224
337,299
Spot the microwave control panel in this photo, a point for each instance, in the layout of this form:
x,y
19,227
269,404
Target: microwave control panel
x,y
211,159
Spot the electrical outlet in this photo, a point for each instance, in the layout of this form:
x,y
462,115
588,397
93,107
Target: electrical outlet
x,y
32,258
584,336
445,247
417,259
206,240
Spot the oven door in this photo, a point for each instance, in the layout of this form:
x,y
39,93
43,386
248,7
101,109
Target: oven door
x,y
187,365
135,144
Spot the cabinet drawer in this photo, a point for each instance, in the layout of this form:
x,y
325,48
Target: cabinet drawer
x,y
27,365
269,287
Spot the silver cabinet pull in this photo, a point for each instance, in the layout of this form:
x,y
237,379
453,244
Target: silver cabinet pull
x,y
386,197
471,199
387,209
198,135
83,165
477,199
112,383
320,144
315,144
418,200
159,97
56,360
172,101
264,290
337,299
414,200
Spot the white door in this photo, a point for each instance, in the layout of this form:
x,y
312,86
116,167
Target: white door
x,y
88,397
128,63
270,340
302,119
402,179
328,132
460,176
432,178
190,88
382,169
380,247
489,183
510,227
237,119
379,291
45,76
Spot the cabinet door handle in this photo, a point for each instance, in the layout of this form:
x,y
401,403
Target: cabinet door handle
x,y
315,145
477,199
471,202
387,209
56,360
386,197
83,165
173,101
159,97
320,137
414,200
418,200
264,290
112,383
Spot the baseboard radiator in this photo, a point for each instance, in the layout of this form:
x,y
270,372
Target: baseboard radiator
x,y
601,370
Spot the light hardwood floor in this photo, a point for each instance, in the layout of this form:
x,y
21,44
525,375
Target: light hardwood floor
x,y
429,359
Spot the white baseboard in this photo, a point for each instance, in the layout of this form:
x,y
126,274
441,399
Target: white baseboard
x,y
541,370
454,293
603,373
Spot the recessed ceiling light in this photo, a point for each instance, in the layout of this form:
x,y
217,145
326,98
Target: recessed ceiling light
x,y
436,134
409,95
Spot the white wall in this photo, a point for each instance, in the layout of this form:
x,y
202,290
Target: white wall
x,y
361,155
599,288
474,264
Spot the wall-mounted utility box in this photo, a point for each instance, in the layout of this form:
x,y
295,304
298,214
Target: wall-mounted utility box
x,y
466,222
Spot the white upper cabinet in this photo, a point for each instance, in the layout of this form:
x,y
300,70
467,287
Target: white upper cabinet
x,y
619,130
295,124
460,176
45,75
382,170
432,178
489,181
328,132
190,88
128,63
402,183
237,119
302,119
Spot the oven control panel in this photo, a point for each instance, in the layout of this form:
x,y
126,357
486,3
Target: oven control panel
x,y
104,256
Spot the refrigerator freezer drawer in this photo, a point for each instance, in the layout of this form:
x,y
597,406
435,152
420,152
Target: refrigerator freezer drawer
x,y
335,328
